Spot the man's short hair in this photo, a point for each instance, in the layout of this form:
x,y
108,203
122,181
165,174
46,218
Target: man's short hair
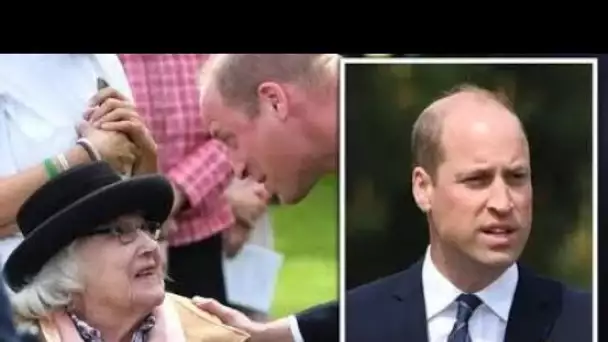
x,y
426,148
237,76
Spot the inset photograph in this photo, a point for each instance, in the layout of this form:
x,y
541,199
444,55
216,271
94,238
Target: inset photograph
x,y
468,193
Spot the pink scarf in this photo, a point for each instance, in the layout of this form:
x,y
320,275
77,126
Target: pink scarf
x,y
60,328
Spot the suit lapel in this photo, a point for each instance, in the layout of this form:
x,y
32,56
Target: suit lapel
x,y
536,305
409,321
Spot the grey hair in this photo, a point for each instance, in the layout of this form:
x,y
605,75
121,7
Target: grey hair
x,y
52,288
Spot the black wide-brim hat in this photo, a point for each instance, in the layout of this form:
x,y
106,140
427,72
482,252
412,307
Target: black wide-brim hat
x,y
72,205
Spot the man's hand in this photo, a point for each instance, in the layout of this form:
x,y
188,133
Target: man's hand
x,y
115,148
229,316
277,331
111,111
235,237
248,199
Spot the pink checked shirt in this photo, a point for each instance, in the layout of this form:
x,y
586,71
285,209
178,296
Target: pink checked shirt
x,y
166,95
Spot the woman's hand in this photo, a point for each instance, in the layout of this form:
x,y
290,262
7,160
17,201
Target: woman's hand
x,y
111,111
249,199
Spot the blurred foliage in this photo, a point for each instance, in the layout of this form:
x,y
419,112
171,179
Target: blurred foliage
x,y
385,230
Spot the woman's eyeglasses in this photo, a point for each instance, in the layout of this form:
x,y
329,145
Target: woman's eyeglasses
x,y
127,232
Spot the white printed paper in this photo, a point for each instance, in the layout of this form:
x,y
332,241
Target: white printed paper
x,y
251,277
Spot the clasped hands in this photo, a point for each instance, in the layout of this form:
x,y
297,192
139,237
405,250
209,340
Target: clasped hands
x,y
118,133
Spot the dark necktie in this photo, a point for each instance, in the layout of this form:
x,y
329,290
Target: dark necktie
x,y
467,303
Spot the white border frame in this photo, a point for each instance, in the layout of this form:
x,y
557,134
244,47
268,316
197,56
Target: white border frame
x,y
406,60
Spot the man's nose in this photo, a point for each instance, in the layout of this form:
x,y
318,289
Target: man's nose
x,y
500,200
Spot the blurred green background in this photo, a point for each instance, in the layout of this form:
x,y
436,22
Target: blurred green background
x,y
385,230
307,235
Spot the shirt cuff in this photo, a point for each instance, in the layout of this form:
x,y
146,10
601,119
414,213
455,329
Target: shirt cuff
x,y
295,329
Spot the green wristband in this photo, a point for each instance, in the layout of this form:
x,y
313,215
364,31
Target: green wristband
x,y
51,168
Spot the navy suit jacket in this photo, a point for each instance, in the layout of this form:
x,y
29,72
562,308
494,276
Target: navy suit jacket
x,y
392,309
320,323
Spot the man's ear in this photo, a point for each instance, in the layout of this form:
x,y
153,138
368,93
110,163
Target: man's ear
x,y
272,99
422,189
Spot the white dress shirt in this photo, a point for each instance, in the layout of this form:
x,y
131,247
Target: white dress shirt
x,y
42,99
487,324
295,329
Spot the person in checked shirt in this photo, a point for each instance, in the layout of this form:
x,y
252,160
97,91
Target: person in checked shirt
x,y
166,95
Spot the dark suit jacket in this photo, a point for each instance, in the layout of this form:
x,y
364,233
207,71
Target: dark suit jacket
x,y
392,309
320,323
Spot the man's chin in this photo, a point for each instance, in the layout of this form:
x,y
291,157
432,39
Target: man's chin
x,y
291,199
495,259
295,195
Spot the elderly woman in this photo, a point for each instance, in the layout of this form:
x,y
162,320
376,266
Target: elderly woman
x,y
89,268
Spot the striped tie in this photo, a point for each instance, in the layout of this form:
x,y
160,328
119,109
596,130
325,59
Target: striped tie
x,y
467,303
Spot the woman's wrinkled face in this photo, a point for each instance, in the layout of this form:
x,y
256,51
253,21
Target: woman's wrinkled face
x,y
123,267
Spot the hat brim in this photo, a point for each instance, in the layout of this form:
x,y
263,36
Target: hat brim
x,y
150,195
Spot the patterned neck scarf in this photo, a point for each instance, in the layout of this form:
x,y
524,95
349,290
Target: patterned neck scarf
x,y
90,334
